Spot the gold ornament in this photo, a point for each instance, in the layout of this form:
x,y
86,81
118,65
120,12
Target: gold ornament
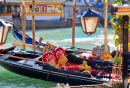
x,y
85,67
80,55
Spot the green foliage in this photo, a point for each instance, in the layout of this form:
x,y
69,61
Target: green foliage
x,y
117,42
112,19
117,2
129,25
119,22
117,26
128,44
129,28
116,60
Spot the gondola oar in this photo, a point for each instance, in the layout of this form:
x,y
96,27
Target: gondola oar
x,y
30,45
22,58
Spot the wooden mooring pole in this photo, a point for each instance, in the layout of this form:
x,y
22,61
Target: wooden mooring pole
x,y
105,25
33,23
73,24
23,24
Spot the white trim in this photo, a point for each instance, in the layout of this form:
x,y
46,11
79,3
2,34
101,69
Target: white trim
x,y
6,24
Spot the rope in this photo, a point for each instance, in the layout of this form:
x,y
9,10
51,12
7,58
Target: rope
x,y
48,75
67,78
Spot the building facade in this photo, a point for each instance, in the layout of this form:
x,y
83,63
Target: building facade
x,y
81,7
44,9
48,13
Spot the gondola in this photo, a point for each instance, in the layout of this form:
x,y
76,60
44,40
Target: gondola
x,y
72,52
32,68
68,49
18,35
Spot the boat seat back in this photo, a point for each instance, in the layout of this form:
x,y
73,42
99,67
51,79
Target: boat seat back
x,y
100,50
65,64
58,51
50,58
48,47
59,58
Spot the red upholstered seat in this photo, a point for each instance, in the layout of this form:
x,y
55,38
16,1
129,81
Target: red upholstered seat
x,y
49,57
58,51
69,66
52,58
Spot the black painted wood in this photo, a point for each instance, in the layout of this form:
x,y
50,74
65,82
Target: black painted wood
x,y
125,52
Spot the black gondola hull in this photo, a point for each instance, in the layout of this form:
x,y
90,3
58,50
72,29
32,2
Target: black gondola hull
x,y
49,75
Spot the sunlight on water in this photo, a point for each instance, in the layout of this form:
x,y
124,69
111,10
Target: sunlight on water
x,y
57,35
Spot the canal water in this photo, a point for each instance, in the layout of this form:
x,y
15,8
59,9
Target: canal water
x,y
57,35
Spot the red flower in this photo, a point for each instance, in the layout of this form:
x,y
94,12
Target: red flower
x,y
62,67
1,50
91,57
84,57
98,56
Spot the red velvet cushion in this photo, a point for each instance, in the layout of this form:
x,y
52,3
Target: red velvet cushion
x,y
58,51
70,66
48,57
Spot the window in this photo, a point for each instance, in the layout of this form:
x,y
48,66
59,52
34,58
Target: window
x,y
56,8
60,8
44,9
36,9
18,9
53,9
49,9
40,8
30,9
27,8
2,8
7,9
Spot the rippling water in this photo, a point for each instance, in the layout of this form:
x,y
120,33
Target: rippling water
x,y
57,35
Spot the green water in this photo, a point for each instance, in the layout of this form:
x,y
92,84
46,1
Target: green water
x,y
57,35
